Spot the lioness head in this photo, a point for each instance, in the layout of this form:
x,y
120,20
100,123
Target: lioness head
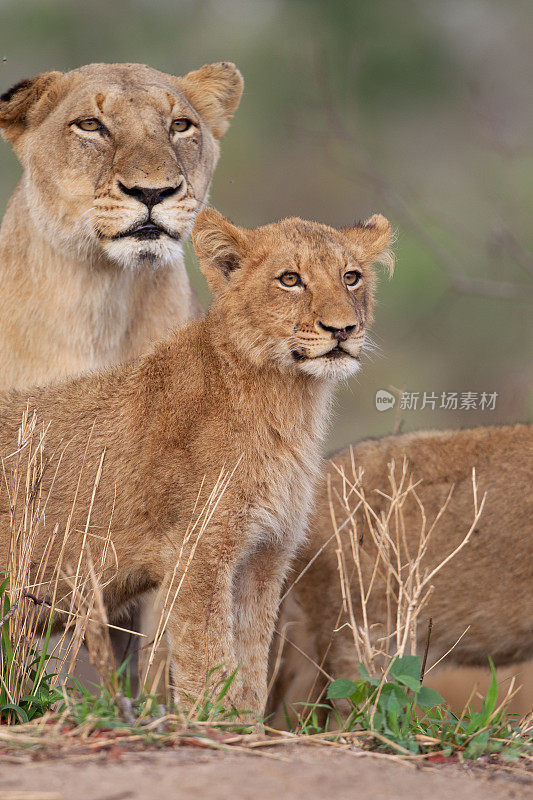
x,y
119,157
296,292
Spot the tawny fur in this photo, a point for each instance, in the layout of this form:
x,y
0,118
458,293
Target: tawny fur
x,y
75,297
487,586
224,393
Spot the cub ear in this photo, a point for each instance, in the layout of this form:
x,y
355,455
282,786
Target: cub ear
x,y
220,246
17,102
372,240
215,91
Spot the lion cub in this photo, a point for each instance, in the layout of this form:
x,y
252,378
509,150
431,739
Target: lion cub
x,y
243,393
486,588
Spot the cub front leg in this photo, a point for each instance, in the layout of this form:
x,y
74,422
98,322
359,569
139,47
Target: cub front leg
x,y
257,584
200,633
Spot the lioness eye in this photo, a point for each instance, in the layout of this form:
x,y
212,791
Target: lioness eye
x,y
290,279
352,278
180,125
89,124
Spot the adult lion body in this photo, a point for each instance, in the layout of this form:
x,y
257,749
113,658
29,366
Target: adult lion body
x,y
91,261
487,586
244,392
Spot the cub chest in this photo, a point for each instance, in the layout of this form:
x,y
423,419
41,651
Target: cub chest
x,y
280,500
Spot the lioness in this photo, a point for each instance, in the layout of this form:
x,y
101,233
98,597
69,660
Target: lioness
x,y
117,161
487,586
246,391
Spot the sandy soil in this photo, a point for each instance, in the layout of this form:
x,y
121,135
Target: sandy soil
x,y
283,774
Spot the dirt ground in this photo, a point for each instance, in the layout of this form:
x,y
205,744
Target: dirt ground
x,y
286,773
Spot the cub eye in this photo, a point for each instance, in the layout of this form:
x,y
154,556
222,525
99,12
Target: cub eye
x,y
290,279
180,125
89,124
352,278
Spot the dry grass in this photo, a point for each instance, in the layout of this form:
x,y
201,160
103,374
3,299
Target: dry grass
x,y
41,586
36,590
35,584
400,567
409,578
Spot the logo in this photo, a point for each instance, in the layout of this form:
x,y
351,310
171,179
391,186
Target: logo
x,y
384,400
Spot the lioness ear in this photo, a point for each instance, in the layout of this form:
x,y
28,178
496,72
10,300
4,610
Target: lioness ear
x,y
17,102
220,245
215,91
372,241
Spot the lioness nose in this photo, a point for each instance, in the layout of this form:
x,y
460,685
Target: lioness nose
x,y
150,197
341,334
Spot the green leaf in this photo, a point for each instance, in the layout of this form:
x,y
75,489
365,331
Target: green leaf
x,y
7,650
360,694
411,683
477,746
226,685
392,699
379,720
341,689
393,708
366,677
406,665
44,653
17,709
400,695
428,698
489,703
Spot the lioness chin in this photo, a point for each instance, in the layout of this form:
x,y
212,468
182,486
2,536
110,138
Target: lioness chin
x,y
117,159
244,392
487,587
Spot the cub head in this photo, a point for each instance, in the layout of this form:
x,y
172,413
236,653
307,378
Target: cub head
x,y
297,293
119,157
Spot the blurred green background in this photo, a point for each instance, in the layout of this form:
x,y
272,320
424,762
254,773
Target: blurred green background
x,y
420,110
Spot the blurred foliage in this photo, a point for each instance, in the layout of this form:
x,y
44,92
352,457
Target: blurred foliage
x,y
418,109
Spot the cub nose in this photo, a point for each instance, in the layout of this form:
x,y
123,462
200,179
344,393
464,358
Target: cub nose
x,y
150,197
341,334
